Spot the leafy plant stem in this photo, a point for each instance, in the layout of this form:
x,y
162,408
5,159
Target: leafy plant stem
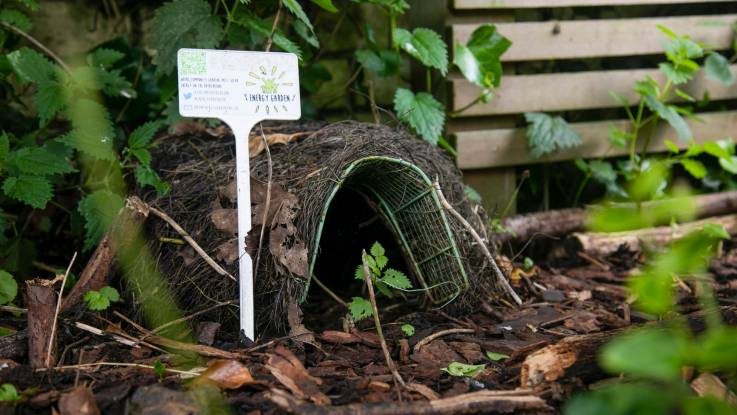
x,y
636,130
442,142
329,292
465,107
369,285
663,95
581,186
38,44
428,80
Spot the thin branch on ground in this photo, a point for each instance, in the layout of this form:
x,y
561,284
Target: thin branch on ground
x,y
498,272
56,313
442,333
193,315
138,365
38,44
329,292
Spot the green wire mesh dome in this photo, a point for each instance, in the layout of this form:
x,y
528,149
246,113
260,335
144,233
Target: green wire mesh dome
x,y
405,198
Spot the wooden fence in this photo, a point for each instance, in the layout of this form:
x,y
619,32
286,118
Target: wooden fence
x,y
489,143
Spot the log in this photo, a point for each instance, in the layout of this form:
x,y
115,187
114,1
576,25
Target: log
x,y
601,245
575,357
481,402
564,221
41,313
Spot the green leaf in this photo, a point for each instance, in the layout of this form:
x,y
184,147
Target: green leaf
x,y
96,301
717,68
396,279
294,7
326,5
716,150
546,134
383,62
31,66
263,28
462,369
422,112
141,136
618,137
707,405
671,146
677,74
377,250
98,209
146,176
359,273
142,155
180,24
93,131
32,190
114,84
425,45
396,6
670,115
408,330
104,57
716,349
496,356
110,293
49,101
480,59
38,161
472,194
654,291
729,164
623,399
16,18
31,4
528,263
8,393
360,308
8,287
651,353
694,167
159,369
716,230
306,33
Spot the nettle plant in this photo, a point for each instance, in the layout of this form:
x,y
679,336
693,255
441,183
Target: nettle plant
x,y
384,279
63,150
285,24
685,58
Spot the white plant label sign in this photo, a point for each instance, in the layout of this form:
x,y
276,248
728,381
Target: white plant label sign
x,y
240,88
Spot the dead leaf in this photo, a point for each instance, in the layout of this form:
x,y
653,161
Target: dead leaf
x,y
229,191
225,220
80,401
297,330
339,337
256,142
423,390
227,251
377,386
227,374
583,322
187,254
206,331
291,373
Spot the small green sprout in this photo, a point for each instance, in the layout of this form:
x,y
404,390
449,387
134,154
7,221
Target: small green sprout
x,y
408,330
462,369
8,393
100,300
495,357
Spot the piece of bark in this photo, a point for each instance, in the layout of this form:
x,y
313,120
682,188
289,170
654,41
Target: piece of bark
x,y
14,346
604,244
481,402
41,312
576,356
564,221
708,384
95,273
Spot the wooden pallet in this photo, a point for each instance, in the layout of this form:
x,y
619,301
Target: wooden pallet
x,y
488,154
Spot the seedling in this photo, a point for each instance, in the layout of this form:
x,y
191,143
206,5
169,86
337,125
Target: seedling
x,y
408,330
100,300
495,357
463,370
384,279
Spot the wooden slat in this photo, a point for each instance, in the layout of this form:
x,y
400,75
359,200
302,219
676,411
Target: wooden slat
x,y
599,38
525,4
508,147
572,91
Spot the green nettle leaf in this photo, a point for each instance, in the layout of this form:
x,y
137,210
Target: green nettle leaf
x,y
326,5
142,155
717,68
425,45
546,134
383,62
98,210
8,287
146,176
104,57
652,353
38,161
16,18
670,115
360,308
93,131
677,74
49,101
496,356
654,292
141,136
377,250
294,7
396,279
422,112
110,293
114,84
408,330
32,190
31,66
183,23
396,6
694,167
96,301
462,369
359,273
480,60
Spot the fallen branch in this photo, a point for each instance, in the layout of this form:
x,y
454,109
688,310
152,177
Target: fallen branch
x,y
498,272
481,402
41,306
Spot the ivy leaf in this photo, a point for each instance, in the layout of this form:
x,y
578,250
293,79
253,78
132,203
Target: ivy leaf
x,y
38,161
425,45
141,136
422,112
8,287
326,5
462,369
110,293
49,101
294,7
694,167
183,23
360,308
98,209
32,190
96,301
31,66
396,279
546,134
146,176
408,330
670,115
104,57
479,60
717,68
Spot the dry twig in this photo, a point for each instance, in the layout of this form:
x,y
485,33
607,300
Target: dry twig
x,y
442,333
58,307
